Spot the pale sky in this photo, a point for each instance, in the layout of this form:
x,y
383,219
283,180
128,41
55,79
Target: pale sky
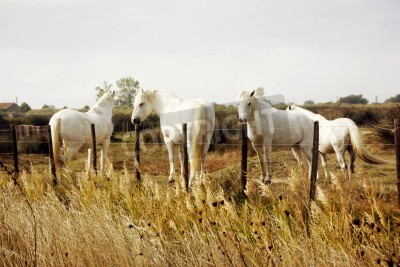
x,y
56,52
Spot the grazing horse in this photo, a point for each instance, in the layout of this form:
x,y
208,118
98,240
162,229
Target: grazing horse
x,y
72,129
338,136
267,126
173,112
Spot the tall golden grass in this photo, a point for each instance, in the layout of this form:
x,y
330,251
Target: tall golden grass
x,y
95,221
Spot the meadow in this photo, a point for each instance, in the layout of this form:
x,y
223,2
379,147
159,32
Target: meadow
x,y
118,221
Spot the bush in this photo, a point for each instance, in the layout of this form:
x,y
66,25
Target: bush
x,y
363,116
386,131
353,99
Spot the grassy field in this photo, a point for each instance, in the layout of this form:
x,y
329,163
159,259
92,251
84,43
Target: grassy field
x,y
115,221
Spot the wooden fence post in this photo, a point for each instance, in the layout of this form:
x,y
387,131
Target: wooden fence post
x,y
244,157
397,151
51,155
185,157
137,149
93,129
314,162
15,148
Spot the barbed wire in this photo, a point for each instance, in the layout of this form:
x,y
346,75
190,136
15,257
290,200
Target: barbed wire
x,y
189,143
388,127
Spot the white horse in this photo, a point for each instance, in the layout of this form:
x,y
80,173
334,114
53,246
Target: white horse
x,y
338,136
173,112
267,125
72,129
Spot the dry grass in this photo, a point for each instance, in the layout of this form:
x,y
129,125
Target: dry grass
x,y
91,222
117,222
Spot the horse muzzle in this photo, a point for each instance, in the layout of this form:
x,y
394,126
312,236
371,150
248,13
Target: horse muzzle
x,y
242,120
136,121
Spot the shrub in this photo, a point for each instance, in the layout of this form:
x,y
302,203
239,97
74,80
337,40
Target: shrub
x,y
386,131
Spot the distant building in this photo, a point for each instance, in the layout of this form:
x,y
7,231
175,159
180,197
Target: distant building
x,y
9,107
3,123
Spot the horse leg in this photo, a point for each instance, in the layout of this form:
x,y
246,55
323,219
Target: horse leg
x,y
324,164
170,148
203,164
268,155
306,149
103,157
192,172
342,162
89,162
298,154
260,154
352,159
180,155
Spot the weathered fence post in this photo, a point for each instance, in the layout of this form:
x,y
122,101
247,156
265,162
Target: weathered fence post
x,y
313,174
397,151
244,157
93,129
15,148
185,157
137,149
314,162
51,155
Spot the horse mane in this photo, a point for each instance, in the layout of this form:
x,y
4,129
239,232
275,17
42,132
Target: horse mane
x,y
164,95
97,108
310,113
167,94
242,96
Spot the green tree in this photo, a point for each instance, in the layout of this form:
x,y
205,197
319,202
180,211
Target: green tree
x,y
127,90
24,107
353,99
45,106
393,99
106,87
308,102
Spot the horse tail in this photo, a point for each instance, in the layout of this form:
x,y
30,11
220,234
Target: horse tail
x,y
199,138
361,150
55,135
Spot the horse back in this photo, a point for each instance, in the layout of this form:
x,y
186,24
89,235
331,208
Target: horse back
x,y
339,131
293,127
74,127
188,112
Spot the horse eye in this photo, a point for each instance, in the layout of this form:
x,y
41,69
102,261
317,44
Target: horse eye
x,y
141,104
249,104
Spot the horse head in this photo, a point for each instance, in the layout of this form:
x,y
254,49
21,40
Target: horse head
x,y
142,106
247,102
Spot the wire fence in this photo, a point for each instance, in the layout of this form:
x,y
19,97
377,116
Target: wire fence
x,y
222,137
33,140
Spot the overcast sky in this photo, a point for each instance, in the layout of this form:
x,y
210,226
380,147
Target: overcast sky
x,y
56,52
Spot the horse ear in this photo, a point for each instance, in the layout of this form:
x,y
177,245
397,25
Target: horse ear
x,y
241,95
259,92
113,93
252,93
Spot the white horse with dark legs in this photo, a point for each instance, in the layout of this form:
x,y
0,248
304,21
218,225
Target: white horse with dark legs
x,y
268,126
338,136
71,128
173,112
